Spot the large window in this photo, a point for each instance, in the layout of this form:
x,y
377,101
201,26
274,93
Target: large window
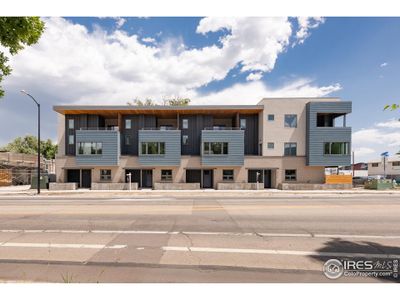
x,y
215,148
71,124
290,149
166,175
291,121
90,148
336,148
152,148
290,175
105,175
128,124
227,175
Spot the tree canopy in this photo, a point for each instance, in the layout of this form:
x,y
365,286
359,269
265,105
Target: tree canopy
x,y
15,34
175,101
28,145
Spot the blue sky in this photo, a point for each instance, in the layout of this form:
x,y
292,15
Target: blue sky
x,y
213,60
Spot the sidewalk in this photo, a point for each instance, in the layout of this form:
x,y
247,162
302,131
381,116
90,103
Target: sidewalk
x,y
26,191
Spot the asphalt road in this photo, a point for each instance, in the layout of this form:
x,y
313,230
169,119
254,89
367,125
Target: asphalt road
x,y
240,239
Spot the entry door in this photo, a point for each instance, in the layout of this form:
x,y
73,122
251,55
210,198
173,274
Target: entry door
x,y
207,179
147,178
267,179
193,176
74,176
255,176
86,178
135,176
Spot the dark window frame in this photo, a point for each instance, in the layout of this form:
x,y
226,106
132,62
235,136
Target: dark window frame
x,y
328,148
126,124
159,146
185,139
288,124
185,123
271,117
69,124
290,151
106,177
96,148
166,177
290,177
269,144
374,165
228,177
243,126
69,139
212,148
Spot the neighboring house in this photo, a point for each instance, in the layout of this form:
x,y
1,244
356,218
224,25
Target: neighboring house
x,y
278,140
375,167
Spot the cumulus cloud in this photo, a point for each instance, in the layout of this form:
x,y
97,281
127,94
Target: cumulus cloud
x,y
368,143
254,76
305,24
383,64
148,40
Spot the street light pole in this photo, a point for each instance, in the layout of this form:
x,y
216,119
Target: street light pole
x,y
38,146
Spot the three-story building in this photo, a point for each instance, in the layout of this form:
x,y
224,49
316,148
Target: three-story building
x,y
223,146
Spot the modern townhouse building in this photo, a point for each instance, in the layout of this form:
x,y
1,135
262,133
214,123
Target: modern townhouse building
x,y
223,146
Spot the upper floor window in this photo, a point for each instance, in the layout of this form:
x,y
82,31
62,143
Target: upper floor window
x,y
185,123
336,148
290,149
71,139
166,175
215,148
127,140
105,175
242,123
374,165
270,145
90,148
152,148
71,124
128,124
396,164
227,175
271,117
291,121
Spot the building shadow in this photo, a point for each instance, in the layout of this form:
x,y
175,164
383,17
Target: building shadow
x,y
340,249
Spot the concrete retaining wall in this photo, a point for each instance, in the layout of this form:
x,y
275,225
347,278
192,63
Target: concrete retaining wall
x,y
113,186
239,186
176,186
56,186
311,186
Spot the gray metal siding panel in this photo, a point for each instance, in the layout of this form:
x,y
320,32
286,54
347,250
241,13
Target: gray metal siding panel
x,y
111,148
235,156
317,136
172,140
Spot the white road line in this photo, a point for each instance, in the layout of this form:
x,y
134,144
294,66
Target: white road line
x,y
61,246
266,234
278,252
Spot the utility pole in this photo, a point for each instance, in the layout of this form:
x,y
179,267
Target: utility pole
x,y
38,138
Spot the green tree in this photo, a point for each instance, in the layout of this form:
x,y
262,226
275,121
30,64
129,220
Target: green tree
x,y
393,106
178,101
15,34
28,145
146,102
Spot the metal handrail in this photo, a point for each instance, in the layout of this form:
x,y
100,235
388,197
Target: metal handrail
x,y
115,128
159,128
222,128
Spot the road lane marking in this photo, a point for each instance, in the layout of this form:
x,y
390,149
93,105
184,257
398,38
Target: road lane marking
x,y
263,234
277,252
61,246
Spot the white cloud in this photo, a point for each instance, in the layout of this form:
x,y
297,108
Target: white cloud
x,y
383,64
253,92
368,143
254,76
305,24
148,40
120,22
72,64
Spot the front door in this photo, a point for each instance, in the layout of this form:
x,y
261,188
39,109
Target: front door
x,y
135,176
255,176
207,179
86,178
147,178
267,179
74,176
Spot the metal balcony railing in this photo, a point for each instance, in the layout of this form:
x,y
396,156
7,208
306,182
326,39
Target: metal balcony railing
x,y
222,128
114,128
160,128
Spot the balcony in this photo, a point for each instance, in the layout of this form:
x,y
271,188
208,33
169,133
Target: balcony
x,y
97,147
222,146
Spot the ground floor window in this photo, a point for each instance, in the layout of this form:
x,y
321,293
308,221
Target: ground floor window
x,y
166,175
290,175
105,175
227,175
